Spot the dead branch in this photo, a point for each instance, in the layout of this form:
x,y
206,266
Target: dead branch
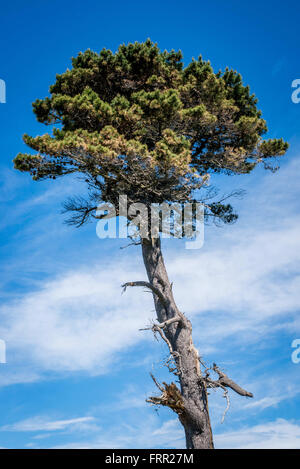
x,y
170,396
131,244
155,329
151,287
157,383
209,383
164,324
159,328
226,396
170,363
224,381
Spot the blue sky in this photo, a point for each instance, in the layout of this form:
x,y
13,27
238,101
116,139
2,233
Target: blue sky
x,y
70,334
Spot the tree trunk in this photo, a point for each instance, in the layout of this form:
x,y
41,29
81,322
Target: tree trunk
x,y
195,415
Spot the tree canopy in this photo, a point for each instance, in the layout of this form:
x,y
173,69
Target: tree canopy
x,y
139,122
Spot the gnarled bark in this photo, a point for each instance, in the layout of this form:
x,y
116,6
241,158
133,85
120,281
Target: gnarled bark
x,y
195,415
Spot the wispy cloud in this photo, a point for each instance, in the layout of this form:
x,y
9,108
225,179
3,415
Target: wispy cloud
x,y
77,322
139,435
245,285
242,284
280,434
38,424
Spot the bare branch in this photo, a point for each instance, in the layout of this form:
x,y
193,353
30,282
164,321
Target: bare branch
x,y
164,324
131,244
156,328
229,383
154,290
226,395
157,383
173,354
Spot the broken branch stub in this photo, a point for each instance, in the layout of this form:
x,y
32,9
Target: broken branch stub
x,y
170,396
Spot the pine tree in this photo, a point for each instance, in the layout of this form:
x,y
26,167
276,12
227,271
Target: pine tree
x,y
138,122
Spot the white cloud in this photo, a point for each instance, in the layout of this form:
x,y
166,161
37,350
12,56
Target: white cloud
x,y
245,281
277,434
38,424
81,321
77,322
265,402
151,435
280,434
245,284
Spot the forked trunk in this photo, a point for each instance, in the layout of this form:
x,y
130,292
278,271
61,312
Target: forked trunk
x,y
195,415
